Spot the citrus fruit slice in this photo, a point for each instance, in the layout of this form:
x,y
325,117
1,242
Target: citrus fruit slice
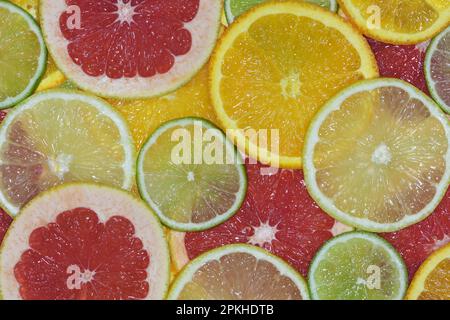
x,y
437,69
238,272
357,266
418,242
278,215
267,83
147,115
61,136
191,175
130,49
377,156
235,8
432,280
398,21
23,55
84,241
5,221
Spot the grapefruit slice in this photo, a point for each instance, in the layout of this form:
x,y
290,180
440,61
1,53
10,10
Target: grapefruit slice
x,y
419,241
238,272
84,242
278,215
130,49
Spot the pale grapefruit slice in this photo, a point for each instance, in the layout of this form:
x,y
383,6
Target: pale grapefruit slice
x,y
85,242
130,49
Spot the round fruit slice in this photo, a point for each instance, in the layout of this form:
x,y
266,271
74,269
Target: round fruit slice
x,y
234,8
191,175
419,241
238,272
23,55
377,156
437,69
130,49
432,280
267,83
84,242
398,21
357,266
278,215
145,116
61,136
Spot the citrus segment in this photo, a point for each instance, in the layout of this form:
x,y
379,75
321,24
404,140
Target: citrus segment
x,y
238,272
377,156
5,221
84,242
273,70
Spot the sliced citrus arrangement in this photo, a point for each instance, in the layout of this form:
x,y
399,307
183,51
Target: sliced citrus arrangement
x,y
377,156
275,67
398,21
61,136
432,280
146,115
191,175
130,49
357,266
437,69
23,55
250,273
83,242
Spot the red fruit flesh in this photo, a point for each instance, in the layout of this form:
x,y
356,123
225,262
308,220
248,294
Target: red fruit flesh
x,y
79,257
5,221
402,62
126,38
278,214
418,242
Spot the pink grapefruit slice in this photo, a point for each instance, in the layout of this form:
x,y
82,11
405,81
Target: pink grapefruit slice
x,y
130,48
84,242
278,215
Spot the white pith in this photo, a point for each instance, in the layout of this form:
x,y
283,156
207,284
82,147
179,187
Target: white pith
x,y
382,155
125,11
263,234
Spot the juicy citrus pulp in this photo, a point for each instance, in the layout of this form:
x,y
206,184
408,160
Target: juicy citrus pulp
x,y
61,136
357,266
191,175
250,273
398,21
275,67
377,156
23,54
84,242
437,69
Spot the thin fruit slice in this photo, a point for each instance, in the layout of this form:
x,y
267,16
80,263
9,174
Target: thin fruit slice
x,y
437,69
238,272
84,241
191,175
419,241
235,8
130,49
377,156
278,215
357,266
145,116
432,280
23,55
275,67
398,21
61,136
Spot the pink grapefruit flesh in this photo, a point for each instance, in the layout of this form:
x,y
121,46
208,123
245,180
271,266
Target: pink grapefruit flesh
x,y
5,221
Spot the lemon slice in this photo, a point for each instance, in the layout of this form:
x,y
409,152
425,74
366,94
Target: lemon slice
x,y
377,156
62,136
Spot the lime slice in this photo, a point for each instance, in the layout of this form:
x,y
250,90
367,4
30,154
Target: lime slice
x,y
23,55
234,8
357,266
437,69
238,272
377,156
191,175
62,136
